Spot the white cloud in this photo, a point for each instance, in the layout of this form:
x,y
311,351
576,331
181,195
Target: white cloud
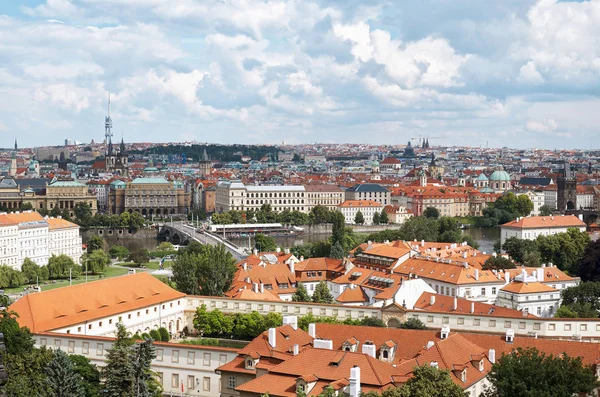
x,y
543,126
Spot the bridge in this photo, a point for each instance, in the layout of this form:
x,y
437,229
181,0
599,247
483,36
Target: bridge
x,y
180,233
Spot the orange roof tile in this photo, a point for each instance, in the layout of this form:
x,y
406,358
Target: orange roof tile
x,y
360,203
532,222
517,287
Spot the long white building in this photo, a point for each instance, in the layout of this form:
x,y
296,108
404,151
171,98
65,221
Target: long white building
x,y
27,234
529,227
234,195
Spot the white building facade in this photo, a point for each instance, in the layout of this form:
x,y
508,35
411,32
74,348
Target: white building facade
x,y
234,195
367,208
530,227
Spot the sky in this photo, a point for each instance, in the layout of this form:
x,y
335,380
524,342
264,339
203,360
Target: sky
x,y
516,73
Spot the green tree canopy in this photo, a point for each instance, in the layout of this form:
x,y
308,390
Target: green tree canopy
x,y
498,263
118,373
62,266
97,261
88,373
413,323
264,243
524,373
118,251
359,219
301,295
321,293
545,210
431,212
140,256
95,243
337,251
428,381
62,379
383,217
588,266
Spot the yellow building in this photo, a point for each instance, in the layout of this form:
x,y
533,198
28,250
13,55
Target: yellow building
x,y
148,196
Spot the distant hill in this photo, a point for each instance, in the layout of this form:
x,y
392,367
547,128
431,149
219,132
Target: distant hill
x,y
215,152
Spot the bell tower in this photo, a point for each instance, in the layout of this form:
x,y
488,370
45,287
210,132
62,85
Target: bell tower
x,y
567,189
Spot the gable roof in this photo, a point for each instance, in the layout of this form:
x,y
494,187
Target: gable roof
x,y
532,222
368,187
63,307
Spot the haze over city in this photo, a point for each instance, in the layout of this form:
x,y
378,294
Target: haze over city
x,y
512,73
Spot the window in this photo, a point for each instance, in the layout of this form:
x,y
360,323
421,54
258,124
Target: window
x,y
191,383
583,327
223,359
483,291
175,380
231,382
206,359
175,356
476,322
492,323
445,320
522,325
99,349
159,354
206,383
493,290
460,321
507,324
78,329
86,348
71,346
539,310
429,319
191,357
567,327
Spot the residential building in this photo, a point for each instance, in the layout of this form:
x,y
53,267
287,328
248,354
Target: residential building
x,y
64,239
529,227
397,214
100,188
367,208
329,196
538,199
369,191
234,195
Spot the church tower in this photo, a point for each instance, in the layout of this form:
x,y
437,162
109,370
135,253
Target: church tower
x,y
116,160
567,189
13,162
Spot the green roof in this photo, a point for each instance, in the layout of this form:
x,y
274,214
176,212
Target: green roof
x,y
153,181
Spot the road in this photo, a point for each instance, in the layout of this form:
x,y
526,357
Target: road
x,y
209,238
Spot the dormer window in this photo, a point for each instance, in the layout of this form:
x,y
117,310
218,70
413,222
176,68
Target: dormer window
x,y
249,363
385,354
300,388
481,365
463,375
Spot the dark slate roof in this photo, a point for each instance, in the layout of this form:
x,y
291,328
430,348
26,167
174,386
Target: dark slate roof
x,y
33,183
535,181
7,183
367,187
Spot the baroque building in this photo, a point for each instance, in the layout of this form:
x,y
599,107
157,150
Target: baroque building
x,y
148,196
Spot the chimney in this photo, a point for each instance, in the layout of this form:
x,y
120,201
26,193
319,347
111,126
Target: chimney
x,y
492,356
472,307
262,288
433,364
272,337
292,267
465,254
510,336
368,350
312,330
292,321
422,243
430,344
354,386
245,266
255,287
295,350
286,251
301,258
278,250
455,305
323,344
476,274
580,217
506,277
445,332
432,300
540,275
255,251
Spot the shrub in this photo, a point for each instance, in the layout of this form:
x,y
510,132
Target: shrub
x,y
154,334
164,334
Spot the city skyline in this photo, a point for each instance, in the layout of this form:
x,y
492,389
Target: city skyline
x,y
514,73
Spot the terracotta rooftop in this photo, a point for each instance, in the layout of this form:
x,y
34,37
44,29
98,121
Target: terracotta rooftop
x,y
517,287
532,222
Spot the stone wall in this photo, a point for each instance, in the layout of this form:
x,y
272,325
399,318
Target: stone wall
x,y
146,233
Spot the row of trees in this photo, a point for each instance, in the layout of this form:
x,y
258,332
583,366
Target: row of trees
x,y
443,229
46,372
379,218
318,215
565,250
247,326
127,220
506,208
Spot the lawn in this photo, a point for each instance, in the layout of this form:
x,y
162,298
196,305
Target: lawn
x,y
108,272
154,265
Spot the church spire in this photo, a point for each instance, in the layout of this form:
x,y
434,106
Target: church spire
x,y
16,147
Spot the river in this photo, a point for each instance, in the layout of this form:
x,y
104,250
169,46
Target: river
x,y
486,237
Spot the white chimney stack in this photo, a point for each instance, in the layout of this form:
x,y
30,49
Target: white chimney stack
x,y
262,288
292,266
255,287
540,275
492,356
455,306
432,300
323,344
292,321
476,274
272,337
354,386
312,330
445,332
422,243
472,307
278,250
433,364
430,344
510,336
245,266
368,350
506,277
295,350
255,251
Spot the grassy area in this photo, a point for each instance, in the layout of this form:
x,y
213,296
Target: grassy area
x,y
108,272
154,265
237,344
466,220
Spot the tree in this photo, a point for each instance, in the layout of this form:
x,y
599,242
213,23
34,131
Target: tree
x,y
264,243
18,340
119,371
419,228
319,214
119,251
95,243
428,381
524,205
517,248
184,273
338,227
372,322
83,214
449,230
32,272
154,334
88,373
583,299
545,210
62,266
383,217
524,373
322,294
27,373
215,271
144,383
97,261
140,256
301,295
62,379
576,310
376,219
413,323
588,267
337,251
10,277
359,219
497,263
431,212
212,322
